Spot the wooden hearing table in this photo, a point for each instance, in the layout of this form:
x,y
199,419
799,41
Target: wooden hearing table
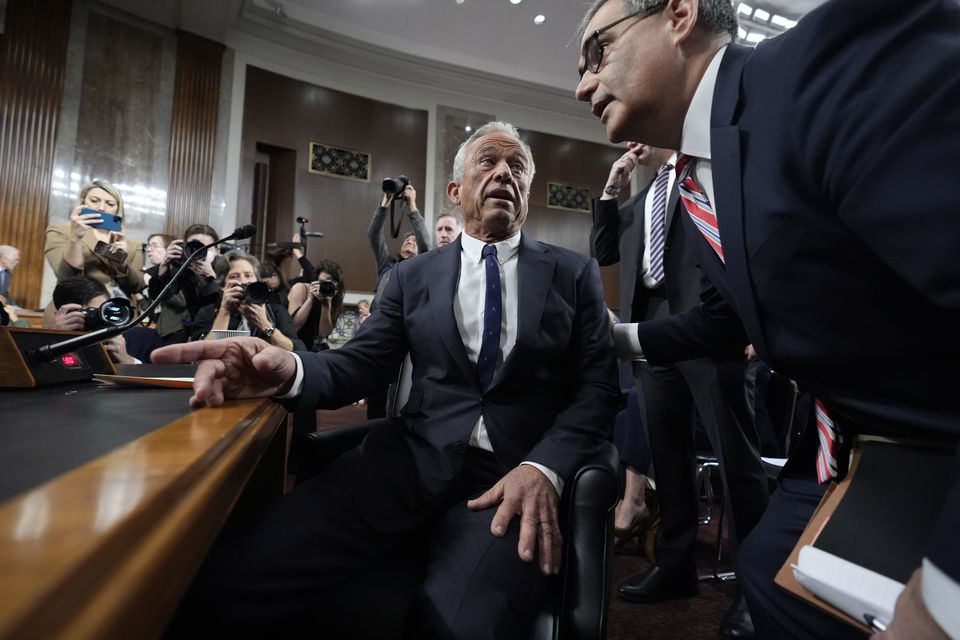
x,y
111,498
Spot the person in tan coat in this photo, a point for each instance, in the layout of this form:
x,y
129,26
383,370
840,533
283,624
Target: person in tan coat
x,y
71,248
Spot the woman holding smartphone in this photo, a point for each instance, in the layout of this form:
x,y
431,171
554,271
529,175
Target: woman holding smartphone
x,y
93,243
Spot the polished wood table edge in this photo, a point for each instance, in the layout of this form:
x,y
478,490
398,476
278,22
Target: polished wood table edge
x,y
123,577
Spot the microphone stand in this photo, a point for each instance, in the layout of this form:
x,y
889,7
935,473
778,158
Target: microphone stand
x,y
51,351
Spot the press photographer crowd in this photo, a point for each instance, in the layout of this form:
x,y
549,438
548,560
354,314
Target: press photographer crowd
x,y
104,278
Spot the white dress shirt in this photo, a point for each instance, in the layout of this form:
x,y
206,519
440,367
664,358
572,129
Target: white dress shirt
x,y
694,142
468,308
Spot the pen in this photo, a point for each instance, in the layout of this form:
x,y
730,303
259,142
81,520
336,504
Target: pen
x,y
875,625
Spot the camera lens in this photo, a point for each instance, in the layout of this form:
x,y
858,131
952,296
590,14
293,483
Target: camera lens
x,y
115,312
256,293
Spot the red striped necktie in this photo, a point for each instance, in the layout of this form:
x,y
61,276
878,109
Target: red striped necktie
x,y
830,440
697,204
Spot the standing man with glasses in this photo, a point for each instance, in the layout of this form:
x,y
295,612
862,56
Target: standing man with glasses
x,y
506,401
818,174
659,277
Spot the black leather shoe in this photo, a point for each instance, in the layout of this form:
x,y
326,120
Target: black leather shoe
x,y
737,624
656,584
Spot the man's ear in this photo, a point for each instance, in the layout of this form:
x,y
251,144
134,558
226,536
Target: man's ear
x,y
453,192
683,16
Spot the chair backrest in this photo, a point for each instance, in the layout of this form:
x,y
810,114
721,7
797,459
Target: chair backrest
x,y
400,390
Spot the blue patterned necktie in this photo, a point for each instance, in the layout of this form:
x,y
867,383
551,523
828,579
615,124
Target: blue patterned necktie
x,y
658,221
492,314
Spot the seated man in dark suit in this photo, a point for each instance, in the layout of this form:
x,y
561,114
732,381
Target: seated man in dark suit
x,y
818,174
507,400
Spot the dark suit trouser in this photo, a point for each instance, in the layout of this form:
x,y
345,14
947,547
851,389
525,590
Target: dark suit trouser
x,y
775,612
299,568
669,396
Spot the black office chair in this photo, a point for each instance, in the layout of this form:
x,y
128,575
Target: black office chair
x,y
576,604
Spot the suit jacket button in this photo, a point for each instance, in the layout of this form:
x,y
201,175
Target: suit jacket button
x,y
459,447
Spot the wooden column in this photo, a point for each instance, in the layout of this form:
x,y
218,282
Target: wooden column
x,y
196,101
33,55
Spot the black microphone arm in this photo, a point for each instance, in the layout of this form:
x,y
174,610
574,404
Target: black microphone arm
x,y
50,351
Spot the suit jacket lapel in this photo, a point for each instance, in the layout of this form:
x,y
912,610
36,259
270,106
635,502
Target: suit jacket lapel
x,y
728,190
534,275
444,274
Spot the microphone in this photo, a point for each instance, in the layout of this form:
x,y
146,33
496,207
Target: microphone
x,y
50,351
314,234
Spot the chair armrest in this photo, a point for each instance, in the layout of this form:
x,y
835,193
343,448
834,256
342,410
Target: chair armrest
x,y
318,449
586,519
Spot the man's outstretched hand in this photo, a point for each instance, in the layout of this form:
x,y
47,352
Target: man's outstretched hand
x,y
233,368
526,492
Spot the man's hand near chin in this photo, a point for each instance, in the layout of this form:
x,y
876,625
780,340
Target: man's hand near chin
x,y
526,492
234,368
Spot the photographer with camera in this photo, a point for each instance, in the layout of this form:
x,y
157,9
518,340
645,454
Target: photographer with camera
x,y
244,306
396,190
198,289
93,243
84,304
316,306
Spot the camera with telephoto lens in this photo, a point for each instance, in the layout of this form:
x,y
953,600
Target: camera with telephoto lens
x,y
328,288
395,186
115,312
188,249
256,293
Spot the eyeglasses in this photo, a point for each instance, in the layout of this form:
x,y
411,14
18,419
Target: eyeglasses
x,y
593,50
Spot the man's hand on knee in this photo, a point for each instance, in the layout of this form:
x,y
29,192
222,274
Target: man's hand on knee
x,y
526,492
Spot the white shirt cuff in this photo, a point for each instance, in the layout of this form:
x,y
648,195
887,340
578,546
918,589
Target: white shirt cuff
x,y
552,476
297,387
627,342
941,594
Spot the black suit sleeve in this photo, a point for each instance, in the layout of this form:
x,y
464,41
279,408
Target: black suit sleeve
x,y
368,362
605,234
710,329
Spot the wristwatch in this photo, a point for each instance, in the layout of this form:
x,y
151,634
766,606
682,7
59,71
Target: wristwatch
x,y
611,190
269,332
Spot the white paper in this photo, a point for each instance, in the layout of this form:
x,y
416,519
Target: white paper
x,y
853,589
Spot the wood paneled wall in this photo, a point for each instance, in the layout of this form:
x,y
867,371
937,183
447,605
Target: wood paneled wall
x,y
281,117
194,131
33,55
573,162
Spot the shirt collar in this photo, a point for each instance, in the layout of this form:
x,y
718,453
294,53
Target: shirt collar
x,y
695,137
506,249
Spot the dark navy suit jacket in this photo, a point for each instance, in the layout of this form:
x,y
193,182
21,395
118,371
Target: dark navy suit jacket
x,y
834,152
551,402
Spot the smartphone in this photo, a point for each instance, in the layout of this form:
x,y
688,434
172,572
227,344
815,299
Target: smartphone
x,y
109,221
103,249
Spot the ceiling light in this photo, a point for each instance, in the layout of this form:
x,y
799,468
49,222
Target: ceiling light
x,y
515,1
459,1
755,36
468,128
761,15
741,33
540,19
745,9
786,23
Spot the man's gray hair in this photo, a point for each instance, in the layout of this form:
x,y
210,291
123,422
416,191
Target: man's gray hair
x,y
6,250
491,127
716,16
